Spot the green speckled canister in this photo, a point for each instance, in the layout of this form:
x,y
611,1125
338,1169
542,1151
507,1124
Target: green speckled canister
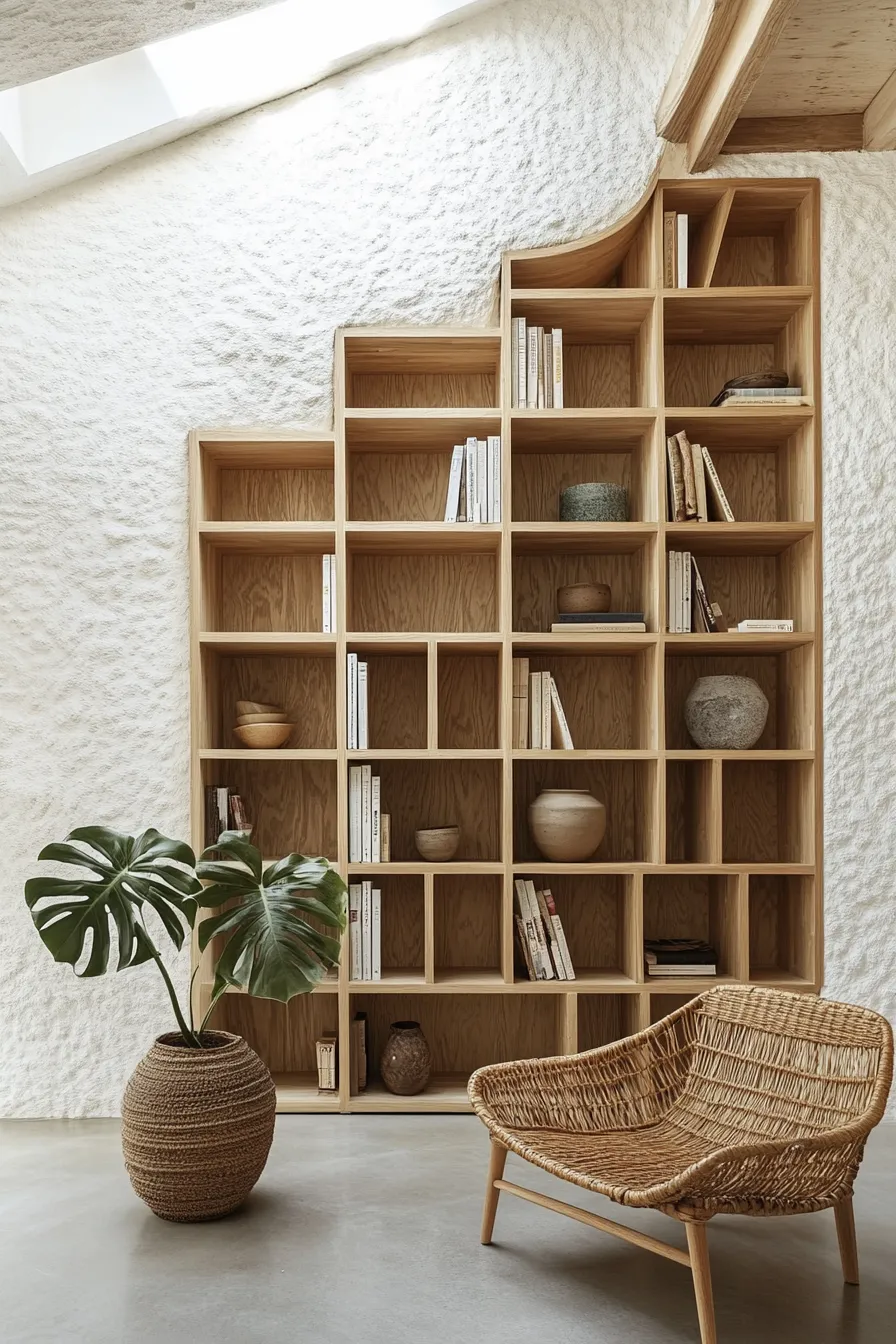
x,y
594,502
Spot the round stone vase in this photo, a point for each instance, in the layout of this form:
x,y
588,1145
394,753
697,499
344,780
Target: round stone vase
x,y
567,825
406,1063
594,502
725,713
197,1125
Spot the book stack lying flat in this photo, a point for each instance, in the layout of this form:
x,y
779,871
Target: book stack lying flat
x,y
539,719
359,1051
541,942
760,396
366,822
326,1048
762,627
365,904
599,623
329,591
474,482
536,369
675,250
224,811
695,490
682,957
689,605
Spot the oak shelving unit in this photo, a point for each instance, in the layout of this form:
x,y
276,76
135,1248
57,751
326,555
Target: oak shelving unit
x,y
724,845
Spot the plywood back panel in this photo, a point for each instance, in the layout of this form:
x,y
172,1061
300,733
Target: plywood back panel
x,y
270,592
444,592
276,495
467,922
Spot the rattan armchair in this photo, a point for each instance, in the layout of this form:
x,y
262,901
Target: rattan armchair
x,y
746,1100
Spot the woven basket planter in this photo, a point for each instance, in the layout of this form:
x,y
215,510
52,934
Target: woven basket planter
x,y
197,1126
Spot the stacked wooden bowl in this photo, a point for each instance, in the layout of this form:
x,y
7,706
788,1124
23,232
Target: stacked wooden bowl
x,y
260,726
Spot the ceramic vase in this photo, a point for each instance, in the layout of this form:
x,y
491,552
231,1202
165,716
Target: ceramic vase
x,y
406,1063
594,502
567,825
725,713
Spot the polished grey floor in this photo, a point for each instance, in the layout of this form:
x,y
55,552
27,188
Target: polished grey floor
x,y
364,1230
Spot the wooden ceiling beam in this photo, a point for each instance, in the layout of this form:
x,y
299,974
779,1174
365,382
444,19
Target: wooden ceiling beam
x,y
783,135
879,122
703,45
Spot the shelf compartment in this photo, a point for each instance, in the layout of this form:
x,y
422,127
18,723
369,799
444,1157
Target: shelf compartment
x,y
607,336
627,788
768,812
543,563
605,1018
263,590
693,811
543,464
304,686
423,592
466,927
278,480
600,914
397,467
402,928
283,1036
748,235
418,794
609,698
787,679
661,1005
782,929
396,699
451,368
469,700
697,906
292,804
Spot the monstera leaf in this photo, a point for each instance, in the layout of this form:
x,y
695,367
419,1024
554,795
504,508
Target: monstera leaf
x,y
271,946
72,915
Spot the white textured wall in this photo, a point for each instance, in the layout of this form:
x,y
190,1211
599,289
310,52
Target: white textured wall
x,y
201,284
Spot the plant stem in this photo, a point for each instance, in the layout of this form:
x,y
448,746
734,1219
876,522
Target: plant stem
x,y
189,1036
211,1008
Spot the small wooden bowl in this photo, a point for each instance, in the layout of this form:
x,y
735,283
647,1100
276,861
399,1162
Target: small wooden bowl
x,y
271,716
437,844
255,707
576,597
264,736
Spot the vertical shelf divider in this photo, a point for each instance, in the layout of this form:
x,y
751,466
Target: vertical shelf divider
x,y
429,929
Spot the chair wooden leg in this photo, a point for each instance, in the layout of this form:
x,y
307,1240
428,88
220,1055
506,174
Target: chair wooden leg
x,y
846,1236
497,1158
699,1253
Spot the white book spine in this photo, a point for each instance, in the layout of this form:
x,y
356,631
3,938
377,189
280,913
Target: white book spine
x,y
548,347
366,929
482,481
366,827
376,841
514,362
681,225
452,504
557,354
521,360
471,460
699,482
222,796
351,701
760,627
376,903
540,354
541,936
354,930
532,368
354,814
561,939
546,711
558,718
495,449
529,930
362,706
687,586
327,596
535,710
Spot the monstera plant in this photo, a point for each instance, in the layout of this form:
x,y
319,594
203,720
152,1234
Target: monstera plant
x,y
198,1112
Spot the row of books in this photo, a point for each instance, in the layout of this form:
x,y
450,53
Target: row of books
x,y
327,1051
365,905
689,606
541,941
329,589
356,703
369,828
539,720
474,482
694,483
536,366
224,811
678,957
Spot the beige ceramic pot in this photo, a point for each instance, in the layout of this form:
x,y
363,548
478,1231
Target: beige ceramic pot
x,y
567,825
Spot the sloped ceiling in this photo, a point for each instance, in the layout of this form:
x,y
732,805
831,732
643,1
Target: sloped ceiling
x,y
44,37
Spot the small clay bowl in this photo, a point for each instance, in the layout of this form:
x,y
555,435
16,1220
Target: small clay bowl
x,y
264,736
269,716
255,707
576,597
438,844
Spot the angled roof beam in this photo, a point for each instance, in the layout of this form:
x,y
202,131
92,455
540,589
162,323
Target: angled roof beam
x,y
879,123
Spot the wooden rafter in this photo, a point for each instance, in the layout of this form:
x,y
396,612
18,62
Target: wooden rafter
x,y
880,118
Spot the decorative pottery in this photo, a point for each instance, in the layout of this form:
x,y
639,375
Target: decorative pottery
x,y
438,844
196,1126
567,825
406,1063
594,502
269,716
576,597
264,736
255,707
725,713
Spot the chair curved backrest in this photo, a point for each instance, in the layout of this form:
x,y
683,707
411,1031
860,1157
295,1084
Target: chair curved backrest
x,y
764,1065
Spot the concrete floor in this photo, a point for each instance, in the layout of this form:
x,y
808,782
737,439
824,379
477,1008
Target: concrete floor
x,y
364,1230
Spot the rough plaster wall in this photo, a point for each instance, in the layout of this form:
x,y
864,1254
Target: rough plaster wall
x,y
201,284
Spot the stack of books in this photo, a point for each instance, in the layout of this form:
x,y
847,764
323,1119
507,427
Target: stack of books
x,y
541,941
694,483
599,623
474,482
762,627
539,719
359,1051
329,581
365,903
536,368
675,250
678,957
327,1050
356,703
369,829
224,811
690,608
760,396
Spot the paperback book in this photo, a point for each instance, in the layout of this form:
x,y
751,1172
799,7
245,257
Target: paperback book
x,y
541,943
474,482
536,366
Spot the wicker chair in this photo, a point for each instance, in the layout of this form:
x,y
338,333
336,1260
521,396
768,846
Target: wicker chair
x,y
746,1100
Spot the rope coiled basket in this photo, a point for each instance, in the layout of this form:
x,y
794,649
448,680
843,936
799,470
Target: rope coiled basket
x,y
197,1126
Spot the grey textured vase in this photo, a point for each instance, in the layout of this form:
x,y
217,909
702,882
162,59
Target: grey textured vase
x,y
725,713
594,502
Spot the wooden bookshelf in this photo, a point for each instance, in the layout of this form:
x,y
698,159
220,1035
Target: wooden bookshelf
x,y
724,845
